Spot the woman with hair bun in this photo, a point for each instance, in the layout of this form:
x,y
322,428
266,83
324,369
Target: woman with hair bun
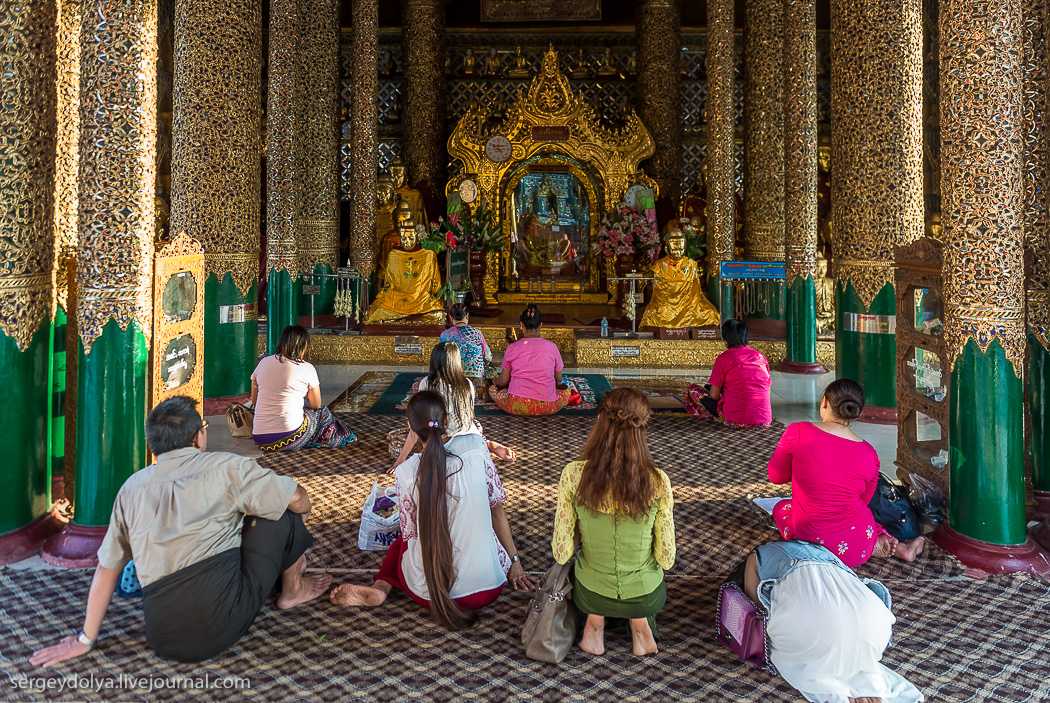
x,y
473,349
530,383
617,507
833,475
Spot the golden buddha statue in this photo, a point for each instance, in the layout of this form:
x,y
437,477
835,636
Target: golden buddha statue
x,y
606,69
386,237
933,226
469,64
520,69
413,196
410,279
677,299
493,67
825,300
582,69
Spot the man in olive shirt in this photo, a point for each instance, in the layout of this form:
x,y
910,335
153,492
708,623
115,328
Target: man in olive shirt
x,y
213,535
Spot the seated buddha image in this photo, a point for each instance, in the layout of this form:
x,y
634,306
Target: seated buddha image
x,y
548,227
544,251
410,281
677,299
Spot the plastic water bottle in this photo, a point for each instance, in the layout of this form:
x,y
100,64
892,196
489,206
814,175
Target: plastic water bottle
x,y
605,327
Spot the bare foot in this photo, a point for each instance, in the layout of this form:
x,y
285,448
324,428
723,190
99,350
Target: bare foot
x,y
909,551
350,595
885,546
302,565
642,639
310,587
593,640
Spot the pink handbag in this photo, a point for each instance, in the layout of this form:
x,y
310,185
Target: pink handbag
x,y
741,628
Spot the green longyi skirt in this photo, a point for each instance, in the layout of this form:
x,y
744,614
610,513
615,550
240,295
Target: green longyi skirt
x,y
620,611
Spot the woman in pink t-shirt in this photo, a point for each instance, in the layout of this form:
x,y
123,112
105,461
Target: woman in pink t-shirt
x,y
833,475
530,383
738,391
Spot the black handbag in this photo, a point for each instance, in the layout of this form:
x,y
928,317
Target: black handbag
x,y
893,510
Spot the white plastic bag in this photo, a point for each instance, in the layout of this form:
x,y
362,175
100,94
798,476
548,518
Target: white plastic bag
x,y
378,532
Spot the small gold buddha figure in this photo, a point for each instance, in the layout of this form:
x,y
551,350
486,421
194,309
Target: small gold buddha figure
x,y
632,66
385,236
605,65
677,299
582,69
493,66
825,301
393,115
469,64
413,196
410,280
520,69
933,226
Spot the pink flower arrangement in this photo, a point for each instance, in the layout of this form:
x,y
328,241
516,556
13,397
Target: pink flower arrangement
x,y
625,231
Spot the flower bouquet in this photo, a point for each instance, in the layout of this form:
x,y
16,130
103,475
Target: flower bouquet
x,y
480,232
625,231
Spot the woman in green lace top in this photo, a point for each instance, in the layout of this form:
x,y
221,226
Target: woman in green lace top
x,y
616,506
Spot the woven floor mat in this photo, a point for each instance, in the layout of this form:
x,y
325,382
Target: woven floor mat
x,y
712,469
957,640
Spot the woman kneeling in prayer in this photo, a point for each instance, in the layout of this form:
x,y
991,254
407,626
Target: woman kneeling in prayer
x,y
833,475
827,628
530,383
617,506
738,391
286,395
455,552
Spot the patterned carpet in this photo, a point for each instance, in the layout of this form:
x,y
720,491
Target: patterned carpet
x,y
956,638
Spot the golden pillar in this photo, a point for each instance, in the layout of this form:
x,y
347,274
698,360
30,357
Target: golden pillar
x,y
27,245
364,140
216,99
764,130
67,143
423,92
876,88
318,226
659,88
721,70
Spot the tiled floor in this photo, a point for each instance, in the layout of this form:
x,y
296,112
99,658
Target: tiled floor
x,y
795,399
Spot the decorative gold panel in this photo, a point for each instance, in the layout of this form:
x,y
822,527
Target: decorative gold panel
x,y
800,138
982,176
118,135
876,138
318,220
659,88
423,92
764,130
551,102
67,141
27,165
217,97
282,164
721,75
179,276
1034,57
364,142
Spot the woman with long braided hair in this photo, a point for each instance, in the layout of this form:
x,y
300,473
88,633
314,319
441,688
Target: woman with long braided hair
x,y
455,552
616,506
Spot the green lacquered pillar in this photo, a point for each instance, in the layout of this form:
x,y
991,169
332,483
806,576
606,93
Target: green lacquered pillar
x,y
1039,407
111,410
802,321
232,332
866,348
58,403
282,305
324,302
25,427
720,293
986,447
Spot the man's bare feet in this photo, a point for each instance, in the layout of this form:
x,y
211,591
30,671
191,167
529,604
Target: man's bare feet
x,y
909,551
351,596
885,546
309,587
593,640
642,639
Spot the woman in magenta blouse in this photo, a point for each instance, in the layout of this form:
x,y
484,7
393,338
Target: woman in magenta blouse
x,y
738,391
833,474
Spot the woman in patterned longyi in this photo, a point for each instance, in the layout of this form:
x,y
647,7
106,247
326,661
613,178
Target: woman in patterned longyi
x,y
618,507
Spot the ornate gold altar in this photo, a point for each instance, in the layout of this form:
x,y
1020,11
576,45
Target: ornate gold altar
x,y
552,169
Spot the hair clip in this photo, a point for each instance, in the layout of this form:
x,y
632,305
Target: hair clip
x,y
433,423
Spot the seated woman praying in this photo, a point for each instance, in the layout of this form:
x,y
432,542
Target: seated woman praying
x,y
530,383
617,507
286,395
738,391
455,552
827,628
833,475
474,351
457,391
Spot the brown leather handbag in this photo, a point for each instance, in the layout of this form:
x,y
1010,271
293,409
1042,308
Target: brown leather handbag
x,y
552,621
239,419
